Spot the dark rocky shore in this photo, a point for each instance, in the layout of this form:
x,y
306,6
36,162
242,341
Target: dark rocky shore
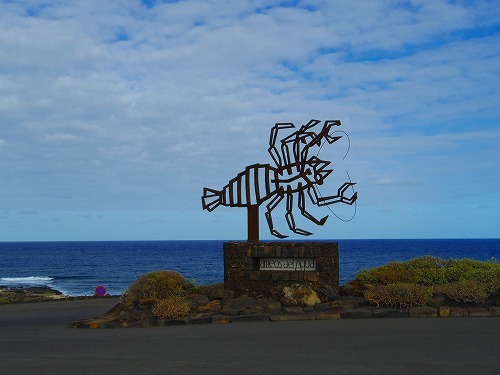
x,y
36,294
220,306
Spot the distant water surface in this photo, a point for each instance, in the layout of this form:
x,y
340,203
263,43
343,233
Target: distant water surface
x,y
76,268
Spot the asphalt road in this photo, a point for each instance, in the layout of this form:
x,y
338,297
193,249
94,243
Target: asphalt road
x,y
34,339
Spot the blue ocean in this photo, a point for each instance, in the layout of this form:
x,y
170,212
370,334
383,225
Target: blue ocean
x,y
77,268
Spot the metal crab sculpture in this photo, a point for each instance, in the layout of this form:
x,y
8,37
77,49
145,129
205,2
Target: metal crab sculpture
x,y
295,173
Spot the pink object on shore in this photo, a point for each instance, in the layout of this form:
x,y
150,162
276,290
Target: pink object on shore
x,y
100,291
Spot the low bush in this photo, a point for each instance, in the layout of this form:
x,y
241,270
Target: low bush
x,y
393,272
400,295
464,291
431,271
206,289
485,273
171,307
158,285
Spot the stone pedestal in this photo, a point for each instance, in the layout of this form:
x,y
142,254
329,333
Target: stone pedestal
x,y
254,268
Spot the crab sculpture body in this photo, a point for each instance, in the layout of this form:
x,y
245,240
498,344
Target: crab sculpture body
x,y
295,176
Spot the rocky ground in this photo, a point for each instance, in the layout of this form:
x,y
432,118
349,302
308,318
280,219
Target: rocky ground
x,y
34,294
221,306
214,304
29,294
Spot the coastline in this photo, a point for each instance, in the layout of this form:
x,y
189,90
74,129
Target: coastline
x,y
36,294
76,268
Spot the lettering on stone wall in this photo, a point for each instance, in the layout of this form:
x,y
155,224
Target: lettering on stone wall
x,y
287,264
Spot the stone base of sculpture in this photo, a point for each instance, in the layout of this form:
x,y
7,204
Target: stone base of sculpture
x,y
255,268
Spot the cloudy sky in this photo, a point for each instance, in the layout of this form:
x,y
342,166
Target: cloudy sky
x,y
115,114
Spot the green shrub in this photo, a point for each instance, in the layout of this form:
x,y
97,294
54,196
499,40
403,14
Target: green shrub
x,y
425,262
206,289
171,307
464,291
411,283
191,286
430,271
398,295
391,273
158,285
486,273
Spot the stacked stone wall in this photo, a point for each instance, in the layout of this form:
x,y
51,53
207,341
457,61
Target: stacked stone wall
x,y
243,274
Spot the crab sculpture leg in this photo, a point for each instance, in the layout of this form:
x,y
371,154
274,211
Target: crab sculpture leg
x,y
295,141
317,199
304,136
295,147
317,139
305,213
270,207
290,145
273,151
290,218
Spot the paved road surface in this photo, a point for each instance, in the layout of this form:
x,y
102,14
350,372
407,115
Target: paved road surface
x,y
34,340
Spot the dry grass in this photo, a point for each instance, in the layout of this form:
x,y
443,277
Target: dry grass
x,y
398,295
464,291
171,307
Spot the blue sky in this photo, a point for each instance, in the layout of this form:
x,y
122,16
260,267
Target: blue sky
x,y
114,115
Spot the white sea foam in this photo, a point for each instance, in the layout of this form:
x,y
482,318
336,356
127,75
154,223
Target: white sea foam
x,y
27,280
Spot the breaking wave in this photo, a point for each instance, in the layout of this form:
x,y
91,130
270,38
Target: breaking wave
x,y
32,280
